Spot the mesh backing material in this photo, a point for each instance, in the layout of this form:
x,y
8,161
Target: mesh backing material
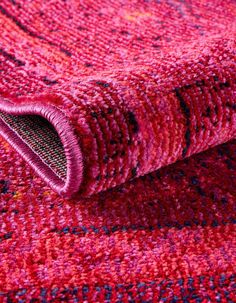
x,y
42,138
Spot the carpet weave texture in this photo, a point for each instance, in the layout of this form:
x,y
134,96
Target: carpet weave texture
x,y
118,151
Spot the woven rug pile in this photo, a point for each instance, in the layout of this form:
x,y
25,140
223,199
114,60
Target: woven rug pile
x,y
118,151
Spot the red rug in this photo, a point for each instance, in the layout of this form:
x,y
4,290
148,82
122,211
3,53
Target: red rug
x,y
118,181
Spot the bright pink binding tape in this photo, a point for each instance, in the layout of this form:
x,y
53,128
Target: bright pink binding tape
x,y
70,143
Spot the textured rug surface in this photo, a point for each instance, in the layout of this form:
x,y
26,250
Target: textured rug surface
x,y
118,151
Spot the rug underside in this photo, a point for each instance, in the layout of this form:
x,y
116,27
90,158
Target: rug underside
x,y
42,139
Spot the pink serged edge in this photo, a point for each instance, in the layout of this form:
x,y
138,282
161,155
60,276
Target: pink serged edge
x,y
70,143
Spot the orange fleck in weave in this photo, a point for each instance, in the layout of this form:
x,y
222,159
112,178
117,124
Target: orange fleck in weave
x,y
118,151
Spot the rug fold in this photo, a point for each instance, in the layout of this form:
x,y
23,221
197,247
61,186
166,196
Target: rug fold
x,y
95,133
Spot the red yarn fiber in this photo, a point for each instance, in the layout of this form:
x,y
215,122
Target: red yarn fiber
x,y
117,183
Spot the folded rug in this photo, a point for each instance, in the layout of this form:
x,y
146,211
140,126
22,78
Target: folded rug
x,y
98,98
